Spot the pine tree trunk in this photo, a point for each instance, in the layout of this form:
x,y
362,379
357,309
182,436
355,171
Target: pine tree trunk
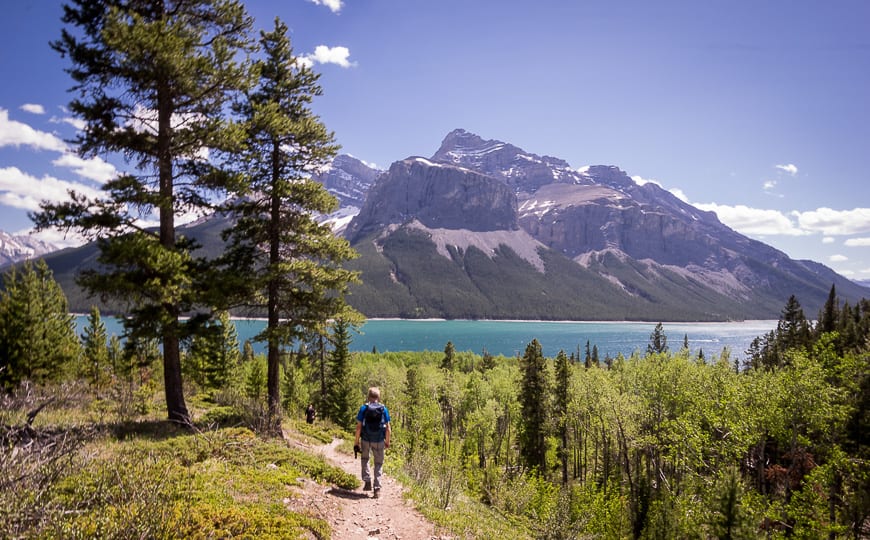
x,y
174,389
274,354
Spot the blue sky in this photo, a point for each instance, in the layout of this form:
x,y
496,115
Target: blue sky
x,y
756,110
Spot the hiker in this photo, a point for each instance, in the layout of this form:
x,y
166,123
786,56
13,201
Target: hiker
x,y
372,436
310,414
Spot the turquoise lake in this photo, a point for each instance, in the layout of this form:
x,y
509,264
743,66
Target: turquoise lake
x,y
510,338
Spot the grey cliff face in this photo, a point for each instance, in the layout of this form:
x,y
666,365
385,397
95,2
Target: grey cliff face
x,y
438,196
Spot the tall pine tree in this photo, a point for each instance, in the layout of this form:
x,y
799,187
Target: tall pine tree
x,y
533,400
152,80
279,253
338,403
37,333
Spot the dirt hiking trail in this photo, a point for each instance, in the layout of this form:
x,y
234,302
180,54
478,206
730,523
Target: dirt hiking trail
x,y
354,514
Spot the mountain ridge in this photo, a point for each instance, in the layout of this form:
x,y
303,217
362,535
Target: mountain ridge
x,y
485,230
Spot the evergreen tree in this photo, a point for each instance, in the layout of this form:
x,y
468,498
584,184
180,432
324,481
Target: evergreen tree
x,y
793,330
595,360
488,361
338,402
588,358
730,520
152,79
95,349
214,354
37,333
828,316
116,355
534,414
448,361
658,341
278,251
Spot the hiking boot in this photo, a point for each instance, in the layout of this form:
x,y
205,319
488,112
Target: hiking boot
x,y
367,486
377,492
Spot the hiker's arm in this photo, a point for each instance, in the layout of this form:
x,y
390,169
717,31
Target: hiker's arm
x,y
387,436
358,430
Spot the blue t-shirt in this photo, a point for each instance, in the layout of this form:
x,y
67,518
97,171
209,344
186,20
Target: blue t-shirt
x,y
367,435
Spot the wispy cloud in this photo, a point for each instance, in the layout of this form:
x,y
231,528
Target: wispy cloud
x,y
769,185
333,5
857,242
328,55
14,133
33,108
838,258
828,240
21,190
790,168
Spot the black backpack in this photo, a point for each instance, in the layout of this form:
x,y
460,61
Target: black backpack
x,y
373,423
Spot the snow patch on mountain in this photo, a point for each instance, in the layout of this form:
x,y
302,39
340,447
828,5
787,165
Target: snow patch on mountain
x,y
20,247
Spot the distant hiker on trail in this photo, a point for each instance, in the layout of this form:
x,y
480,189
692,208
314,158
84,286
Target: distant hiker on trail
x,y
310,414
372,436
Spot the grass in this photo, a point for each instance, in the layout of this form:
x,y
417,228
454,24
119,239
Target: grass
x,y
69,476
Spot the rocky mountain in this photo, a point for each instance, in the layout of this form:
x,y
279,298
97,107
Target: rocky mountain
x,y
349,179
15,248
429,226
484,229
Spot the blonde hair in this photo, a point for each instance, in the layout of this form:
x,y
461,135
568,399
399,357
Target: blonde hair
x,y
374,393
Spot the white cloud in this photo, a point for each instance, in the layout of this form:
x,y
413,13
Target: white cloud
x,y
678,193
835,222
33,108
13,133
77,123
769,185
838,258
21,190
639,180
328,55
60,239
828,240
333,5
790,168
754,221
857,242
94,168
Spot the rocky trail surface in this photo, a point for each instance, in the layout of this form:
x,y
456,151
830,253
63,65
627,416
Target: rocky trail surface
x,y
354,514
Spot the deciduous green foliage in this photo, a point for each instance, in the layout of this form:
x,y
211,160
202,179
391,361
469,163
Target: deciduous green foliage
x,y
279,255
37,334
152,80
